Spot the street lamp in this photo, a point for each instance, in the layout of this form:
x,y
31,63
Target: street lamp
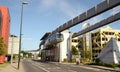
x,y
23,3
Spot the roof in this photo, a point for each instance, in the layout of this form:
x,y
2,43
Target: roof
x,y
45,35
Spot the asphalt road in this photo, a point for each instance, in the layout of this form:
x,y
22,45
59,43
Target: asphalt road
x,y
35,66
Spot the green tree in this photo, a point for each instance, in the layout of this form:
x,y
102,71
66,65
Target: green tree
x,y
39,55
2,46
29,55
88,54
26,53
74,50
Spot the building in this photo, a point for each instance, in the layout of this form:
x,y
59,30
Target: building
x,y
84,43
111,52
42,45
55,46
93,42
99,39
13,45
4,27
86,38
58,50
75,42
0,22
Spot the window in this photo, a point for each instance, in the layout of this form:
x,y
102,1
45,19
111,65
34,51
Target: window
x,y
118,39
104,39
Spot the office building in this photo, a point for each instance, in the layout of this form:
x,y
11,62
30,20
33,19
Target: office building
x,y
13,45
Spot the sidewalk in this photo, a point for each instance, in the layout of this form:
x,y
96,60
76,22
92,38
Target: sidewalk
x,y
92,66
13,68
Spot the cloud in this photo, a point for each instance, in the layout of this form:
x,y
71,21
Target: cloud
x,y
62,5
48,3
66,8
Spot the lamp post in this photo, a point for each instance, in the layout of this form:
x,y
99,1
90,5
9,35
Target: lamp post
x,y
23,3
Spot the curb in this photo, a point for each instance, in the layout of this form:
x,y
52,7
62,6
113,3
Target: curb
x,y
104,68
91,66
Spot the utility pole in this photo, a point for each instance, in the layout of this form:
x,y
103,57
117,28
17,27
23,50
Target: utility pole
x,y
23,3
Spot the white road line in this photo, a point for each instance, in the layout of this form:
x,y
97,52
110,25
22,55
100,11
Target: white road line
x,y
72,71
88,68
44,69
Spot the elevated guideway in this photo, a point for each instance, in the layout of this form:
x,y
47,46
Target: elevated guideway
x,y
32,50
99,24
94,11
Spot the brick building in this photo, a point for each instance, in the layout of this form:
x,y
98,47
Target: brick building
x,y
4,27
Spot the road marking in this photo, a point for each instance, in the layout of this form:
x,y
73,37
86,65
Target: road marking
x,y
72,71
85,67
35,64
44,69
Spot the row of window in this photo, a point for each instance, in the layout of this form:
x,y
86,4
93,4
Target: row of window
x,y
109,33
98,40
96,51
95,45
75,40
106,33
103,39
94,34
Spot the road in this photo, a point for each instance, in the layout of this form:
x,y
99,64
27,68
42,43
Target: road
x,y
35,66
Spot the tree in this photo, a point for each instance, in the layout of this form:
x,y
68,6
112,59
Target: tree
x,y
39,55
2,46
88,54
25,54
74,50
29,55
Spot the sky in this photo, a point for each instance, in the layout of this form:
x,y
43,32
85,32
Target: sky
x,y
41,16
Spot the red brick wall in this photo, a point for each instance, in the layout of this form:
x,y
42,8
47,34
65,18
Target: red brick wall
x,y
5,28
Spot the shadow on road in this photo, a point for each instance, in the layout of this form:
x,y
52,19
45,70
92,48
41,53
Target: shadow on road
x,y
40,61
14,67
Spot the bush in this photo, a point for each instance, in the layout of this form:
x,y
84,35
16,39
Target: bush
x,y
111,65
85,60
73,60
65,60
98,62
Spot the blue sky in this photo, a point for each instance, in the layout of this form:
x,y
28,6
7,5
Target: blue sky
x,y
41,16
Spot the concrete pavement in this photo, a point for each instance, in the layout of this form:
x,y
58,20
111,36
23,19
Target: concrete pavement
x,y
92,66
13,68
